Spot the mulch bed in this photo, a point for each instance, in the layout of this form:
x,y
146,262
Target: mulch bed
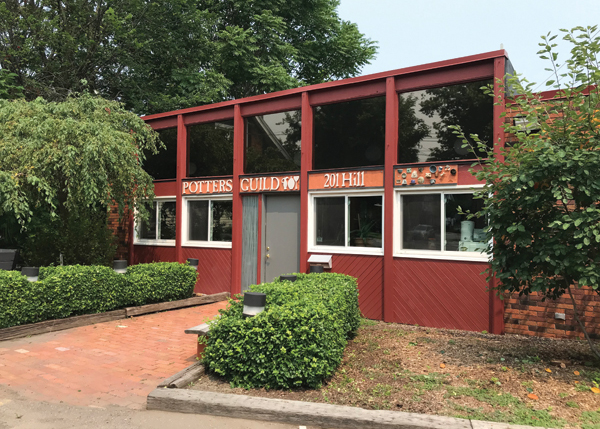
x,y
511,378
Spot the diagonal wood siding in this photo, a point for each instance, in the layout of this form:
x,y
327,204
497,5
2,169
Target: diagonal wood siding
x,y
214,269
369,272
440,294
147,254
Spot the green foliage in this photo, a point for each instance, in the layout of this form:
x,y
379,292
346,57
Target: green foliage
x,y
160,56
158,282
64,291
297,341
542,193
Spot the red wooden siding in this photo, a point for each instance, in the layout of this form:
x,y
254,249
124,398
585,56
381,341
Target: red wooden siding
x,y
440,294
369,272
214,268
147,254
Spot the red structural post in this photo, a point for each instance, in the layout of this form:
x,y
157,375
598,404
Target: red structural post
x,y
131,237
238,221
181,173
391,158
496,304
305,166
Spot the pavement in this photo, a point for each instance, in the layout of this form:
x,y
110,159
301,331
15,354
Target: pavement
x,y
111,363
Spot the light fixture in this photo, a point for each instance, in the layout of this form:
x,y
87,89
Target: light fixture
x,y
254,303
193,263
31,273
288,277
120,266
316,269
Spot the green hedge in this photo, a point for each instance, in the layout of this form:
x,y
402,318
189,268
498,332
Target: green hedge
x,y
297,341
72,290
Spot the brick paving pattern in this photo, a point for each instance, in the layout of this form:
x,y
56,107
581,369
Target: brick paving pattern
x,y
111,363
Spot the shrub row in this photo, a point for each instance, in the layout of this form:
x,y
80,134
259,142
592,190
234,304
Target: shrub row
x,y
297,341
72,290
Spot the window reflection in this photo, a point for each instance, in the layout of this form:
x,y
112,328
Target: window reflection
x,y
210,149
462,234
198,220
330,221
424,117
163,165
222,220
421,222
273,142
365,221
147,229
349,134
167,220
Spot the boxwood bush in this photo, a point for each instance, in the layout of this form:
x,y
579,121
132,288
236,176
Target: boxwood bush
x,y
73,290
298,341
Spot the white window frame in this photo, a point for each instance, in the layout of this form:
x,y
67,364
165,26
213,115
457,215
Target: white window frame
x,y
448,255
157,241
185,242
346,249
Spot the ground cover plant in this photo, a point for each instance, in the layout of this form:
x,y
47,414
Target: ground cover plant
x,y
513,379
298,340
73,290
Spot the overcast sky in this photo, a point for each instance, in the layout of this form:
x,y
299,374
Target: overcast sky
x,y
415,32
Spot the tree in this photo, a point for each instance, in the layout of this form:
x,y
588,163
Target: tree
x,y
163,55
542,193
64,165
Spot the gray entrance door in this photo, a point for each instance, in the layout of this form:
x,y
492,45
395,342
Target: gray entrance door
x,y
281,249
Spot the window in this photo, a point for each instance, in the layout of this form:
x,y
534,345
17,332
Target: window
x,y
273,142
349,134
210,149
160,227
424,117
163,165
351,222
432,223
208,222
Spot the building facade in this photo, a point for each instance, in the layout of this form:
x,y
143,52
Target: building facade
x,y
362,175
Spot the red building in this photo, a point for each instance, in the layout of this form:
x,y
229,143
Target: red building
x,y
362,171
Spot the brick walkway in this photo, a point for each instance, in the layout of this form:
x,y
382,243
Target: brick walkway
x,y
117,362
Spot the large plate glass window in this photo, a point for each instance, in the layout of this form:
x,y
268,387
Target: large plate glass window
x,y
209,220
349,134
210,149
273,142
348,221
163,165
161,223
437,222
424,117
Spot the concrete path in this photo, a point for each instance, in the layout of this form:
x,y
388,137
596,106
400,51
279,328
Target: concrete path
x,y
112,363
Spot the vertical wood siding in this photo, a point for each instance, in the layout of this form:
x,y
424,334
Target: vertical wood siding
x,y
440,294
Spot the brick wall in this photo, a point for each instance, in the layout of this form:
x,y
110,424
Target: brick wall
x,y
528,315
120,229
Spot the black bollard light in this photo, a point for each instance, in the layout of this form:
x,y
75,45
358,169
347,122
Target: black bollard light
x,y
254,303
316,269
120,266
31,273
193,263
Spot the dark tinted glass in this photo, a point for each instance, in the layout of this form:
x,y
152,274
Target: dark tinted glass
x,y
349,134
163,165
330,221
365,221
167,220
273,142
462,234
221,219
147,229
424,117
198,220
421,217
210,149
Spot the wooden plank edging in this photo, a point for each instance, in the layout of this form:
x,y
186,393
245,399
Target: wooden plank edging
x,y
46,326
191,373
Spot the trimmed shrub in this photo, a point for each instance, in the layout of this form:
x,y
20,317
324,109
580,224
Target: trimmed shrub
x,y
158,282
298,341
72,290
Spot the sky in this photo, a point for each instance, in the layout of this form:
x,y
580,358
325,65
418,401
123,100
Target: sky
x,y
411,33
